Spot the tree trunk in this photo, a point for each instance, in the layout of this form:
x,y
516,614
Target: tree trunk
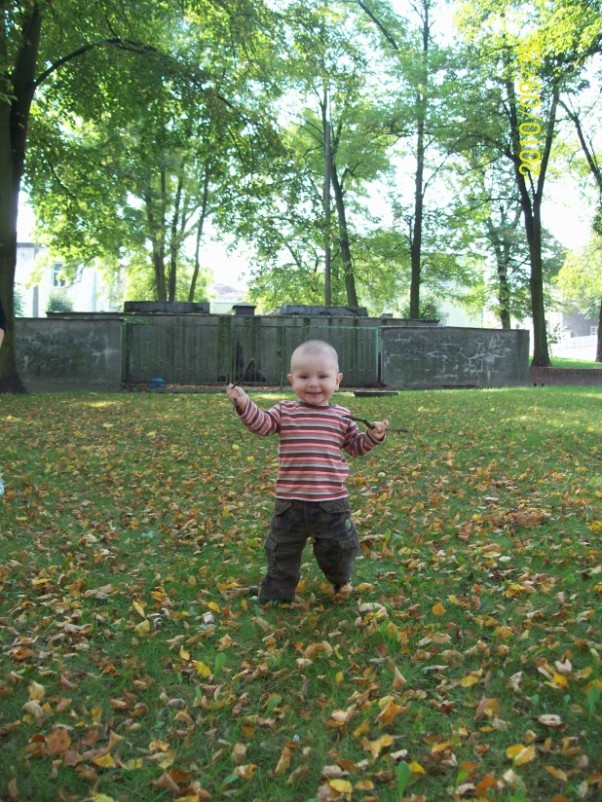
x,y
326,202
531,206
421,107
175,238
344,239
199,235
541,354
501,250
416,238
156,232
14,119
599,340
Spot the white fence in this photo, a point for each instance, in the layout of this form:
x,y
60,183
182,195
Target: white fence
x,y
576,348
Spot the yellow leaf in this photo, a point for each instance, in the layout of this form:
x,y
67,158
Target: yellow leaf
x,y
438,609
558,774
341,786
158,746
283,762
416,768
441,747
102,798
133,764
105,761
202,669
363,728
339,676
469,679
139,607
390,712
143,628
376,747
184,653
36,691
340,717
245,772
214,606
521,754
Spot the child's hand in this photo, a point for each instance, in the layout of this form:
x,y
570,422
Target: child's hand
x,y
238,396
379,428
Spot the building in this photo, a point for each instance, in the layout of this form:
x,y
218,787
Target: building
x,y
38,279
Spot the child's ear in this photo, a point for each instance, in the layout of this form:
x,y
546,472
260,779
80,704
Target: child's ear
x,y
290,377
339,379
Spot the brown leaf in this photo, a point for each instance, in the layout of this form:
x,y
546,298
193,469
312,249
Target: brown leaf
x,y
57,742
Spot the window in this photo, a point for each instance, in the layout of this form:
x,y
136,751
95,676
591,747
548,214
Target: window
x,y
57,277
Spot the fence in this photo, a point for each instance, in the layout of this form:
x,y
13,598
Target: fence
x,y
106,352
183,349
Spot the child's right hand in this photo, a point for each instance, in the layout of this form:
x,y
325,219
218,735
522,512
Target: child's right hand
x,y
238,396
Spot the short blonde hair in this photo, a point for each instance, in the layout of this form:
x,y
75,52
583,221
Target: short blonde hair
x,y
312,347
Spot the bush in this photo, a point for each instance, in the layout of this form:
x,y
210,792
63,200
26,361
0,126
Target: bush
x,y
59,302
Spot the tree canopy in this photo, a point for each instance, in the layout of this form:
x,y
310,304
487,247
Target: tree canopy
x,y
363,154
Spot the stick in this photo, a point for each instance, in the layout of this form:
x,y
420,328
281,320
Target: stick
x,y
245,374
371,425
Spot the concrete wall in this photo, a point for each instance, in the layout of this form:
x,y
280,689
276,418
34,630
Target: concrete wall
x,y
103,352
75,353
454,357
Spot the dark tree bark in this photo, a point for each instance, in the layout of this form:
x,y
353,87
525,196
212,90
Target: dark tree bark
x,y
344,239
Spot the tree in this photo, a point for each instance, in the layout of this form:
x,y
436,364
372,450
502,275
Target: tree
x,y
581,277
51,35
532,54
417,116
305,216
580,281
65,44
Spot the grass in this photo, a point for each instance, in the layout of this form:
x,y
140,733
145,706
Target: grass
x,y
466,665
559,362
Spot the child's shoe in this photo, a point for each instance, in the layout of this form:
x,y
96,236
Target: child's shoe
x,y
342,592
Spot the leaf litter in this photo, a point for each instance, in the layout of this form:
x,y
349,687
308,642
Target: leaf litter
x,y
466,665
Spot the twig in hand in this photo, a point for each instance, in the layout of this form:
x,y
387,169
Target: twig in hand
x,y
370,425
362,420
245,374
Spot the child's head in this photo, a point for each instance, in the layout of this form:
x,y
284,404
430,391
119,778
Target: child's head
x,y
315,372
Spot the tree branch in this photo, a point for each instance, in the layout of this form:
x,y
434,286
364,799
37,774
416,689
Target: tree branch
x,y
123,44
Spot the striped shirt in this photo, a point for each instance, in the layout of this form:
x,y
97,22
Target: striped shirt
x,y
311,466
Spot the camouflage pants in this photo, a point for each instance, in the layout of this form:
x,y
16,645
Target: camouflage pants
x,y
335,544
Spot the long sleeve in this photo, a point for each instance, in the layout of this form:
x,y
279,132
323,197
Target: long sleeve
x,y
259,421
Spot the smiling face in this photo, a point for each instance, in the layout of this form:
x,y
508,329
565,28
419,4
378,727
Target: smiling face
x,y
315,374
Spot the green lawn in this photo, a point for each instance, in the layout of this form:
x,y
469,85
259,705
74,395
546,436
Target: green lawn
x,y
466,665
558,362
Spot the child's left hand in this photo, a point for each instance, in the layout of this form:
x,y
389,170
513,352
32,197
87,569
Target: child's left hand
x,y
379,428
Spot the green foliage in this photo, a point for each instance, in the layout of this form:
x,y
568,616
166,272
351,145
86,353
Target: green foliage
x,y
135,663
59,301
580,278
